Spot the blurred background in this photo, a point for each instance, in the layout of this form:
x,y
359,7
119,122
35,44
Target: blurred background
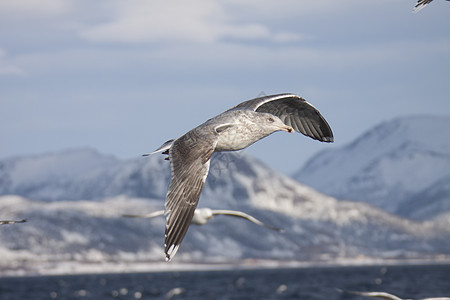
x,y
86,87
124,76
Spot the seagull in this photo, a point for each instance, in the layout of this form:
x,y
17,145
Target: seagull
x,y
203,215
421,4
234,129
384,295
11,222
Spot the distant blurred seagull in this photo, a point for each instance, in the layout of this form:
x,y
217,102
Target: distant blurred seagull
x,y
203,215
11,222
421,4
384,295
234,129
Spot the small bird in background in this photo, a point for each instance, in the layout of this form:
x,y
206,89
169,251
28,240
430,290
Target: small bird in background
x,y
234,129
384,295
203,215
11,222
421,4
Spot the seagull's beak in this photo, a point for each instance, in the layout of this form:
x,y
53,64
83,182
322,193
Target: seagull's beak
x,y
287,128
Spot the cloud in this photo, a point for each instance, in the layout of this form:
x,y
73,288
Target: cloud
x,y
203,21
33,7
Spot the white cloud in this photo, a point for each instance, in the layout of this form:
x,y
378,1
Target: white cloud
x,y
142,20
178,20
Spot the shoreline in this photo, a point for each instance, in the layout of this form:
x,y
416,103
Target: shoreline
x,y
68,268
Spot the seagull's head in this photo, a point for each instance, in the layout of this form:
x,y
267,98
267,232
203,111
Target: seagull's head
x,y
273,123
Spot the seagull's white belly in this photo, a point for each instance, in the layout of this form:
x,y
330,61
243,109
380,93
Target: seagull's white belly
x,y
238,137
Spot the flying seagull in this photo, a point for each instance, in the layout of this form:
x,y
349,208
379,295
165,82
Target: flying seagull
x,y
421,4
203,215
387,296
234,129
11,222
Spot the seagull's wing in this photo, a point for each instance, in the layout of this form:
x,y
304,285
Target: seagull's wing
x,y
241,214
293,111
189,158
421,4
379,295
147,216
11,222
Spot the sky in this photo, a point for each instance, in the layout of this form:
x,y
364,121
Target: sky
x,y
124,76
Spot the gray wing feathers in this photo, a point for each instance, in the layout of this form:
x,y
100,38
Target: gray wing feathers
x,y
293,111
240,214
300,115
189,157
253,104
379,295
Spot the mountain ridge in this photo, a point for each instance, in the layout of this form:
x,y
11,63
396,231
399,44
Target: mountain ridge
x,y
388,166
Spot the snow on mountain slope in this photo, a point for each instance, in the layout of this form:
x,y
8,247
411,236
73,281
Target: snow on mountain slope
x,y
389,166
94,232
73,227
435,198
81,174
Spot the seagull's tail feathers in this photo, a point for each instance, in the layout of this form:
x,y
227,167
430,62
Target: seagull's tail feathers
x,y
164,147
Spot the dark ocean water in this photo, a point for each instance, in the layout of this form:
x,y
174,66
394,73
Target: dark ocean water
x,y
304,283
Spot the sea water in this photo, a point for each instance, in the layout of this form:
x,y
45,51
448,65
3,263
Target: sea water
x,y
324,283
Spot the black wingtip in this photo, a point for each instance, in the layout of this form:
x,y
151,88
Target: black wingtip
x,y
328,139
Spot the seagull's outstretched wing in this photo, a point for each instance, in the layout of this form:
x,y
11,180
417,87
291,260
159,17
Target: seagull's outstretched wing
x,y
189,159
243,215
421,4
384,295
293,111
11,222
147,216
379,295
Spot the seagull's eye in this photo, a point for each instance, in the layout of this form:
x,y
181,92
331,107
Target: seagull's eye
x,y
271,120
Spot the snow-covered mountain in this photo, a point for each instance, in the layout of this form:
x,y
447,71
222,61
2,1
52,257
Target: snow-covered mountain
x,y
74,214
82,174
401,166
95,232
